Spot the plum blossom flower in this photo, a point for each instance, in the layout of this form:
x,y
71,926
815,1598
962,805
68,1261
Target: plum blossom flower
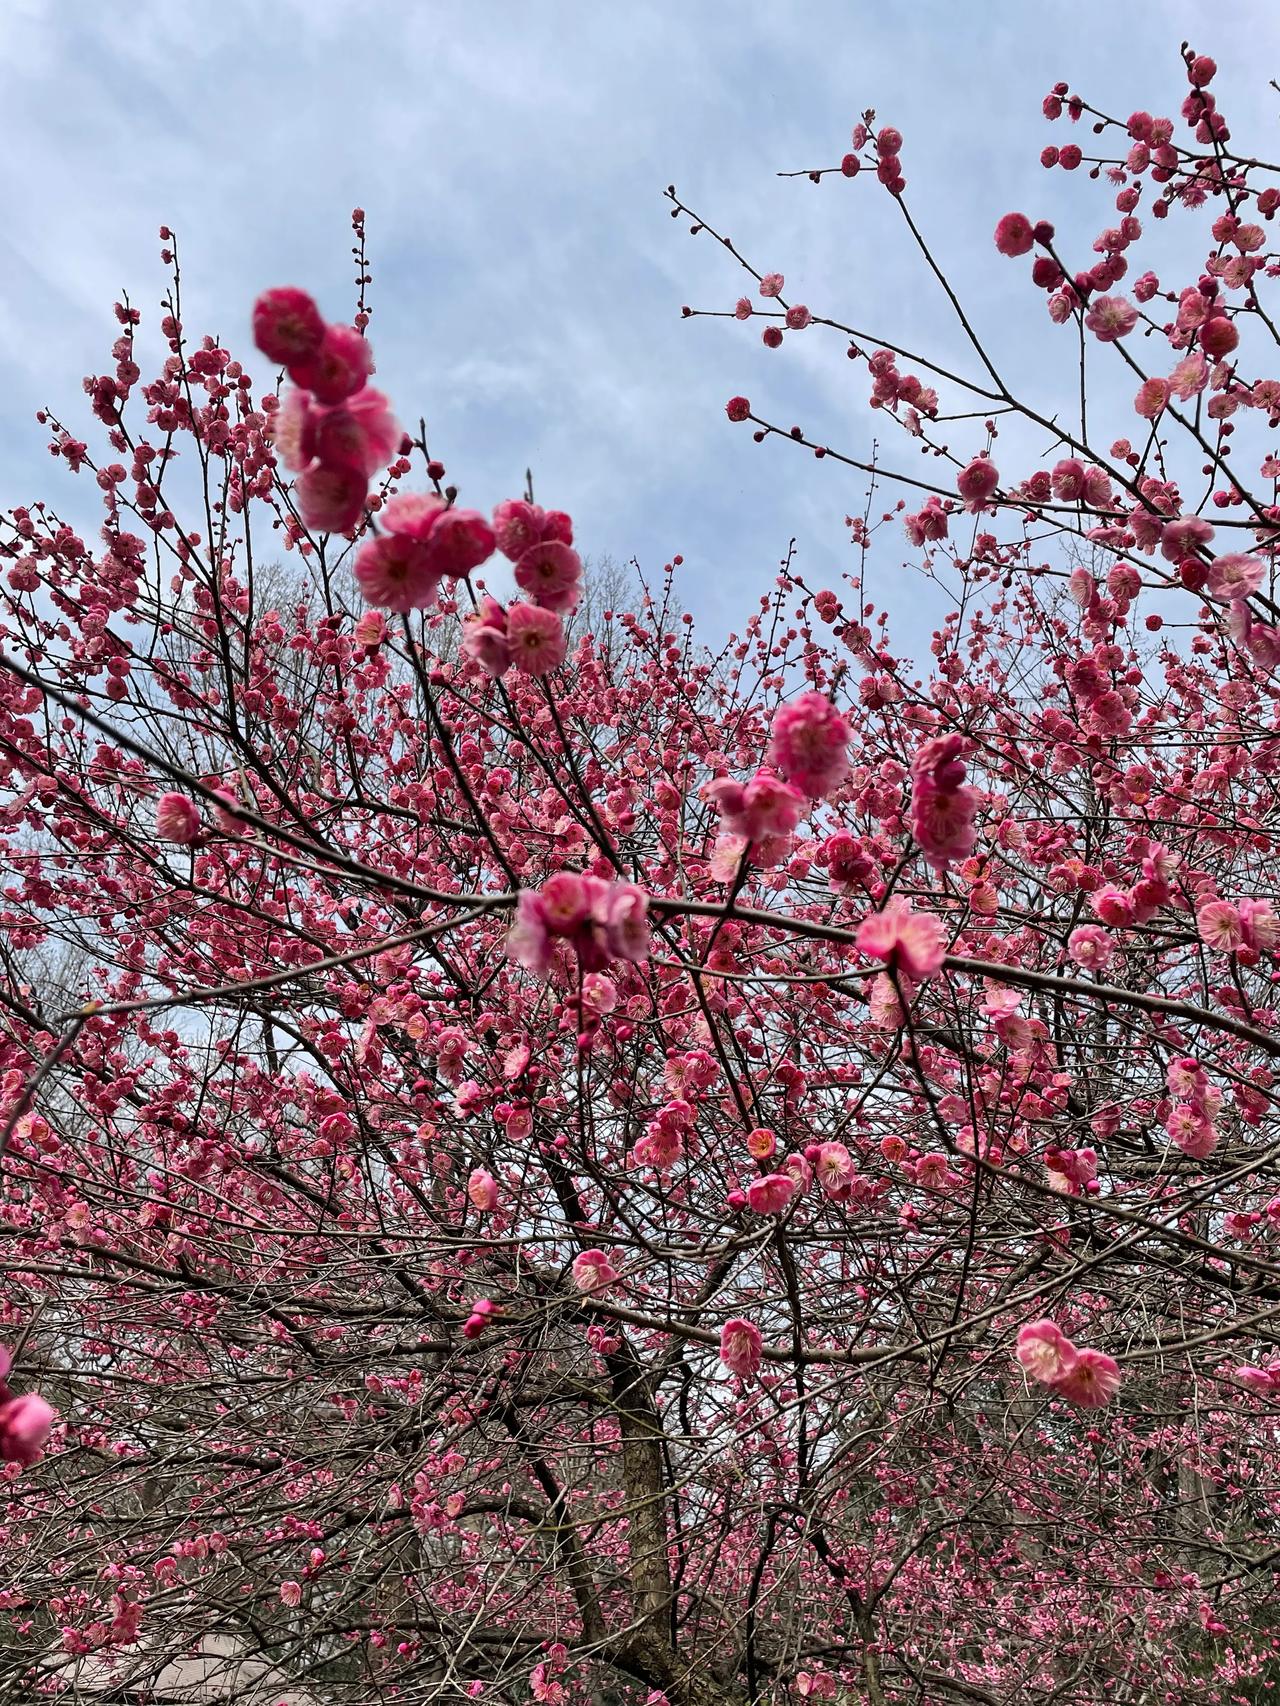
x,y
535,638
1111,317
482,1188
1092,1381
809,744
291,1593
1014,235
914,942
1235,575
770,1194
766,806
287,325
592,1271
741,1347
177,819
1044,1351
25,1421
977,481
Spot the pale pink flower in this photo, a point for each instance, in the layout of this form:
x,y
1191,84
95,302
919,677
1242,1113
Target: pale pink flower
x,y
291,1593
1045,1352
177,819
1235,575
626,922
1111,317
770,1194
771,284
741,1346
1218,922
833,1168
913,942
529,938
1152,398
808,744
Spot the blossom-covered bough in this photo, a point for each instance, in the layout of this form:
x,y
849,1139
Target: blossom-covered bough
x,y
550,1159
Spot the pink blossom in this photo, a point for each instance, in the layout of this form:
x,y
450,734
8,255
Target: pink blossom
x,y
1183,538
535,638
833,1168
482,1188
592,1271
24,1427
1235,575
460,541
765,806
913,942
1090,946
1014,234
1045,1352
338,368
551,573
978,481
331,500
1092,1381
177,819
529,938
741,1346
1152,398
484,637
942,806
798,317
771,284
1111,317
809,744
395,573
1220,927
770,1194
626,922
291,1593
287,325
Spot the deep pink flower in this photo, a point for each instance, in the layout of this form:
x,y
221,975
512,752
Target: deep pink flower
x,y
395,573
1014,235
771,284
461,541
331,500
766,806
484,637
338,368
1092,1380
177,819
536,638
741,1345
592,1271
738,408
978,481
359,433
24,1428
529,938
809,744
287,325
551,574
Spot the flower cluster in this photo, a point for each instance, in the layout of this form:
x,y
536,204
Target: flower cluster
x,y
1082,1376
601,921
942,804
333,431
1195,1104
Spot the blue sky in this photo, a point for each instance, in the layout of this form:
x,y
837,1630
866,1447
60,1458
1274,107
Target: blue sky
x,y
511,159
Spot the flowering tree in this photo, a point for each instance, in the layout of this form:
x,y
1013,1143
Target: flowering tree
x,y
584,1164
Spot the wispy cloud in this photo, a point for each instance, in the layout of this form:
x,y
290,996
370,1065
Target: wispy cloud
x,y
528,280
